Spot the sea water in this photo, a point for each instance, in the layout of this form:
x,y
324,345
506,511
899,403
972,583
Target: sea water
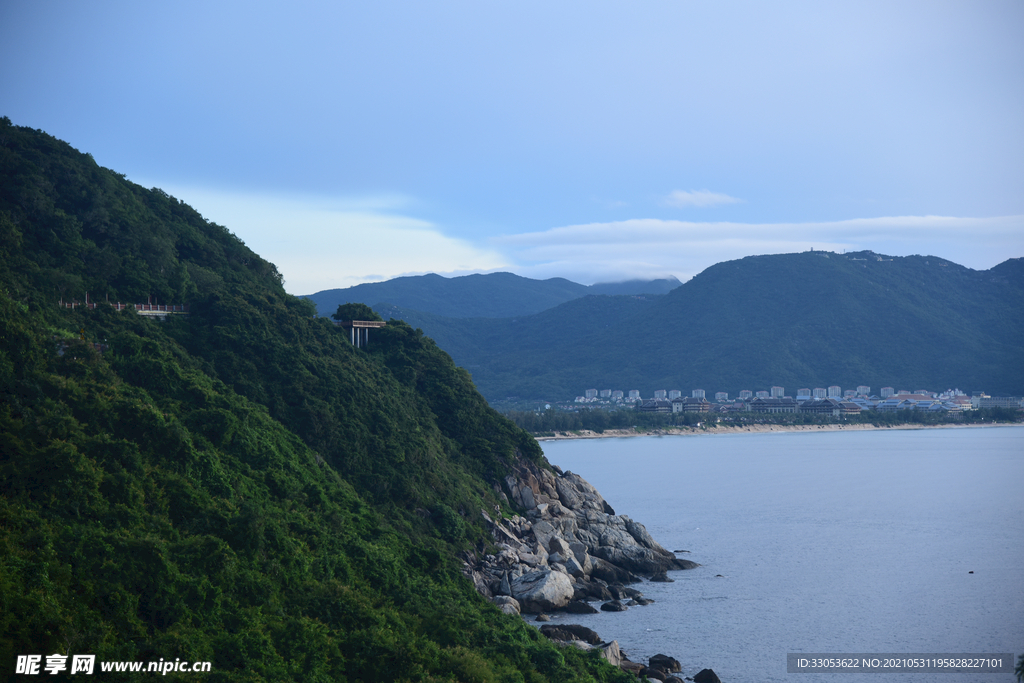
x,y
819,542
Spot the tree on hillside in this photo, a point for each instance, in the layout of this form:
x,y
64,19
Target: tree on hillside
x,y
355,312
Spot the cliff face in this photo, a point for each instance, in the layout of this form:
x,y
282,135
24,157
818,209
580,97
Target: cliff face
x,y
570,547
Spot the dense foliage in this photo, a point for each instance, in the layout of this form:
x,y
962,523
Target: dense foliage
x,y
793,320
239,485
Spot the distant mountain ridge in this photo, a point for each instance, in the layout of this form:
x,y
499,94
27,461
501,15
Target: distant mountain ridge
x,y
492,295
792,320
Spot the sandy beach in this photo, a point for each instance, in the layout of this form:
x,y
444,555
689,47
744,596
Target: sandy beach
x,y
737,429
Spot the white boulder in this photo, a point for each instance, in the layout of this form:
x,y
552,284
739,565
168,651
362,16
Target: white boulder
x,y
542,591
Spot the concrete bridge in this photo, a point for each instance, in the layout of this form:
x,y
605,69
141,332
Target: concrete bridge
x,y
359,330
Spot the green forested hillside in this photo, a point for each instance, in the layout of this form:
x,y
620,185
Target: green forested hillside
x,y
494,295
794,320
815,319
546,356
239,485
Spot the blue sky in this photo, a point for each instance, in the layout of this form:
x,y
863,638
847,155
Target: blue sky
x,y
351,142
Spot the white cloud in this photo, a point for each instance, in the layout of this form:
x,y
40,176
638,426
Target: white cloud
x,y
698,198
320,243
652,248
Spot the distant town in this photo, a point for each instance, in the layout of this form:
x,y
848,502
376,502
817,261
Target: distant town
x,y
833,400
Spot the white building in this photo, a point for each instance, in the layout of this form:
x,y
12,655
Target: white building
x,y
697,393
1000,402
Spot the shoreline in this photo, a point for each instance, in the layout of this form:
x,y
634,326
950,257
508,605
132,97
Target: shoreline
x,y
671,491
753,429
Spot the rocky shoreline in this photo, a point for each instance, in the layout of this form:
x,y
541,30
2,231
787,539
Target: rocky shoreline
x,y
571,550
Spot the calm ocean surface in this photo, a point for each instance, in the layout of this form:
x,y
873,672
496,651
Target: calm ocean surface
x,y
850,542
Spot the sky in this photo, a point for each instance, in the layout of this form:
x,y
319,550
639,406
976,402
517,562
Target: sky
x,y
598,141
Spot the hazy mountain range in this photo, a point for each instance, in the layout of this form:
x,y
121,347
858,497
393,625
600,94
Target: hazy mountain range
x,y
494,295
794,320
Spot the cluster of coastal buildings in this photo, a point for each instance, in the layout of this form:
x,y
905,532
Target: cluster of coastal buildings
x,y
824,401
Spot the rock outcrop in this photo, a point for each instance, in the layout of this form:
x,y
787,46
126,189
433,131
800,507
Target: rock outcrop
x,y
669,665
569,548
544,590
660,668
706,676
